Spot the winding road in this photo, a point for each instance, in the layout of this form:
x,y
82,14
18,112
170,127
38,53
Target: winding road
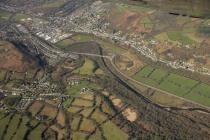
x,y
204,109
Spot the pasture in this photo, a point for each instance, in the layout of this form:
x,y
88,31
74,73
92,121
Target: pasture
x,y
175,84
112,132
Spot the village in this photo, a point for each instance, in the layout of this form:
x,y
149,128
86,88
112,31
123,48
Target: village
x,y
101,70
56,28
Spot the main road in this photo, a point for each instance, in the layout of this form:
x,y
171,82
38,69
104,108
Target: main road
x,y
111,58
113,69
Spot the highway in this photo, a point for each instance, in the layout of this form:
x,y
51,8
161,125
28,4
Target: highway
x,y
204,109
154,88
54,54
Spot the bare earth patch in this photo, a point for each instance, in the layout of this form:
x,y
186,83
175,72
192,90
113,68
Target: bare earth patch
x,y
128,63
61,118
12,59
49,111
130,114
129,21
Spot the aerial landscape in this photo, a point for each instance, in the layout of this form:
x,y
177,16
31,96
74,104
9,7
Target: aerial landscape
x,y
104,69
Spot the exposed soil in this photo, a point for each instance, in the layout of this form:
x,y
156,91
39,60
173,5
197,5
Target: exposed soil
x,y
128,21
128,63
130,114
12,59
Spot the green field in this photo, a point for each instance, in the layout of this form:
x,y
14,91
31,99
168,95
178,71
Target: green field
x,y
140,7
158,75
82,37
2,75
22,129
99,72
204,29
87,125
4,16
78,136
15,130
110,47
17,125
19,17
96,136
75,122
87,68
3,123
76,38
74,109
183,37
144,74
200,94
2,114
165,99
12,127
86,112
162,37
175,84
53,4
146,21
99,116
64,43
36,133
112,132
74,91
180,37
82,102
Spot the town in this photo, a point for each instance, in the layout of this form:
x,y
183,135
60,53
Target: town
x,y
103,70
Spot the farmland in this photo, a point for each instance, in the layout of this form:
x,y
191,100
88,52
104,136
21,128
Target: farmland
x,y
112,132
178,36
87,68
102,70
200,94
17,127
54,4
89,111
21,17
81,121
131,18
75,91
64,43
107,45
4,16
175,84
184,37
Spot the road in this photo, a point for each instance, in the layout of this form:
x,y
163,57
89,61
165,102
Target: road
x,y
54,51
111,58
154,88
